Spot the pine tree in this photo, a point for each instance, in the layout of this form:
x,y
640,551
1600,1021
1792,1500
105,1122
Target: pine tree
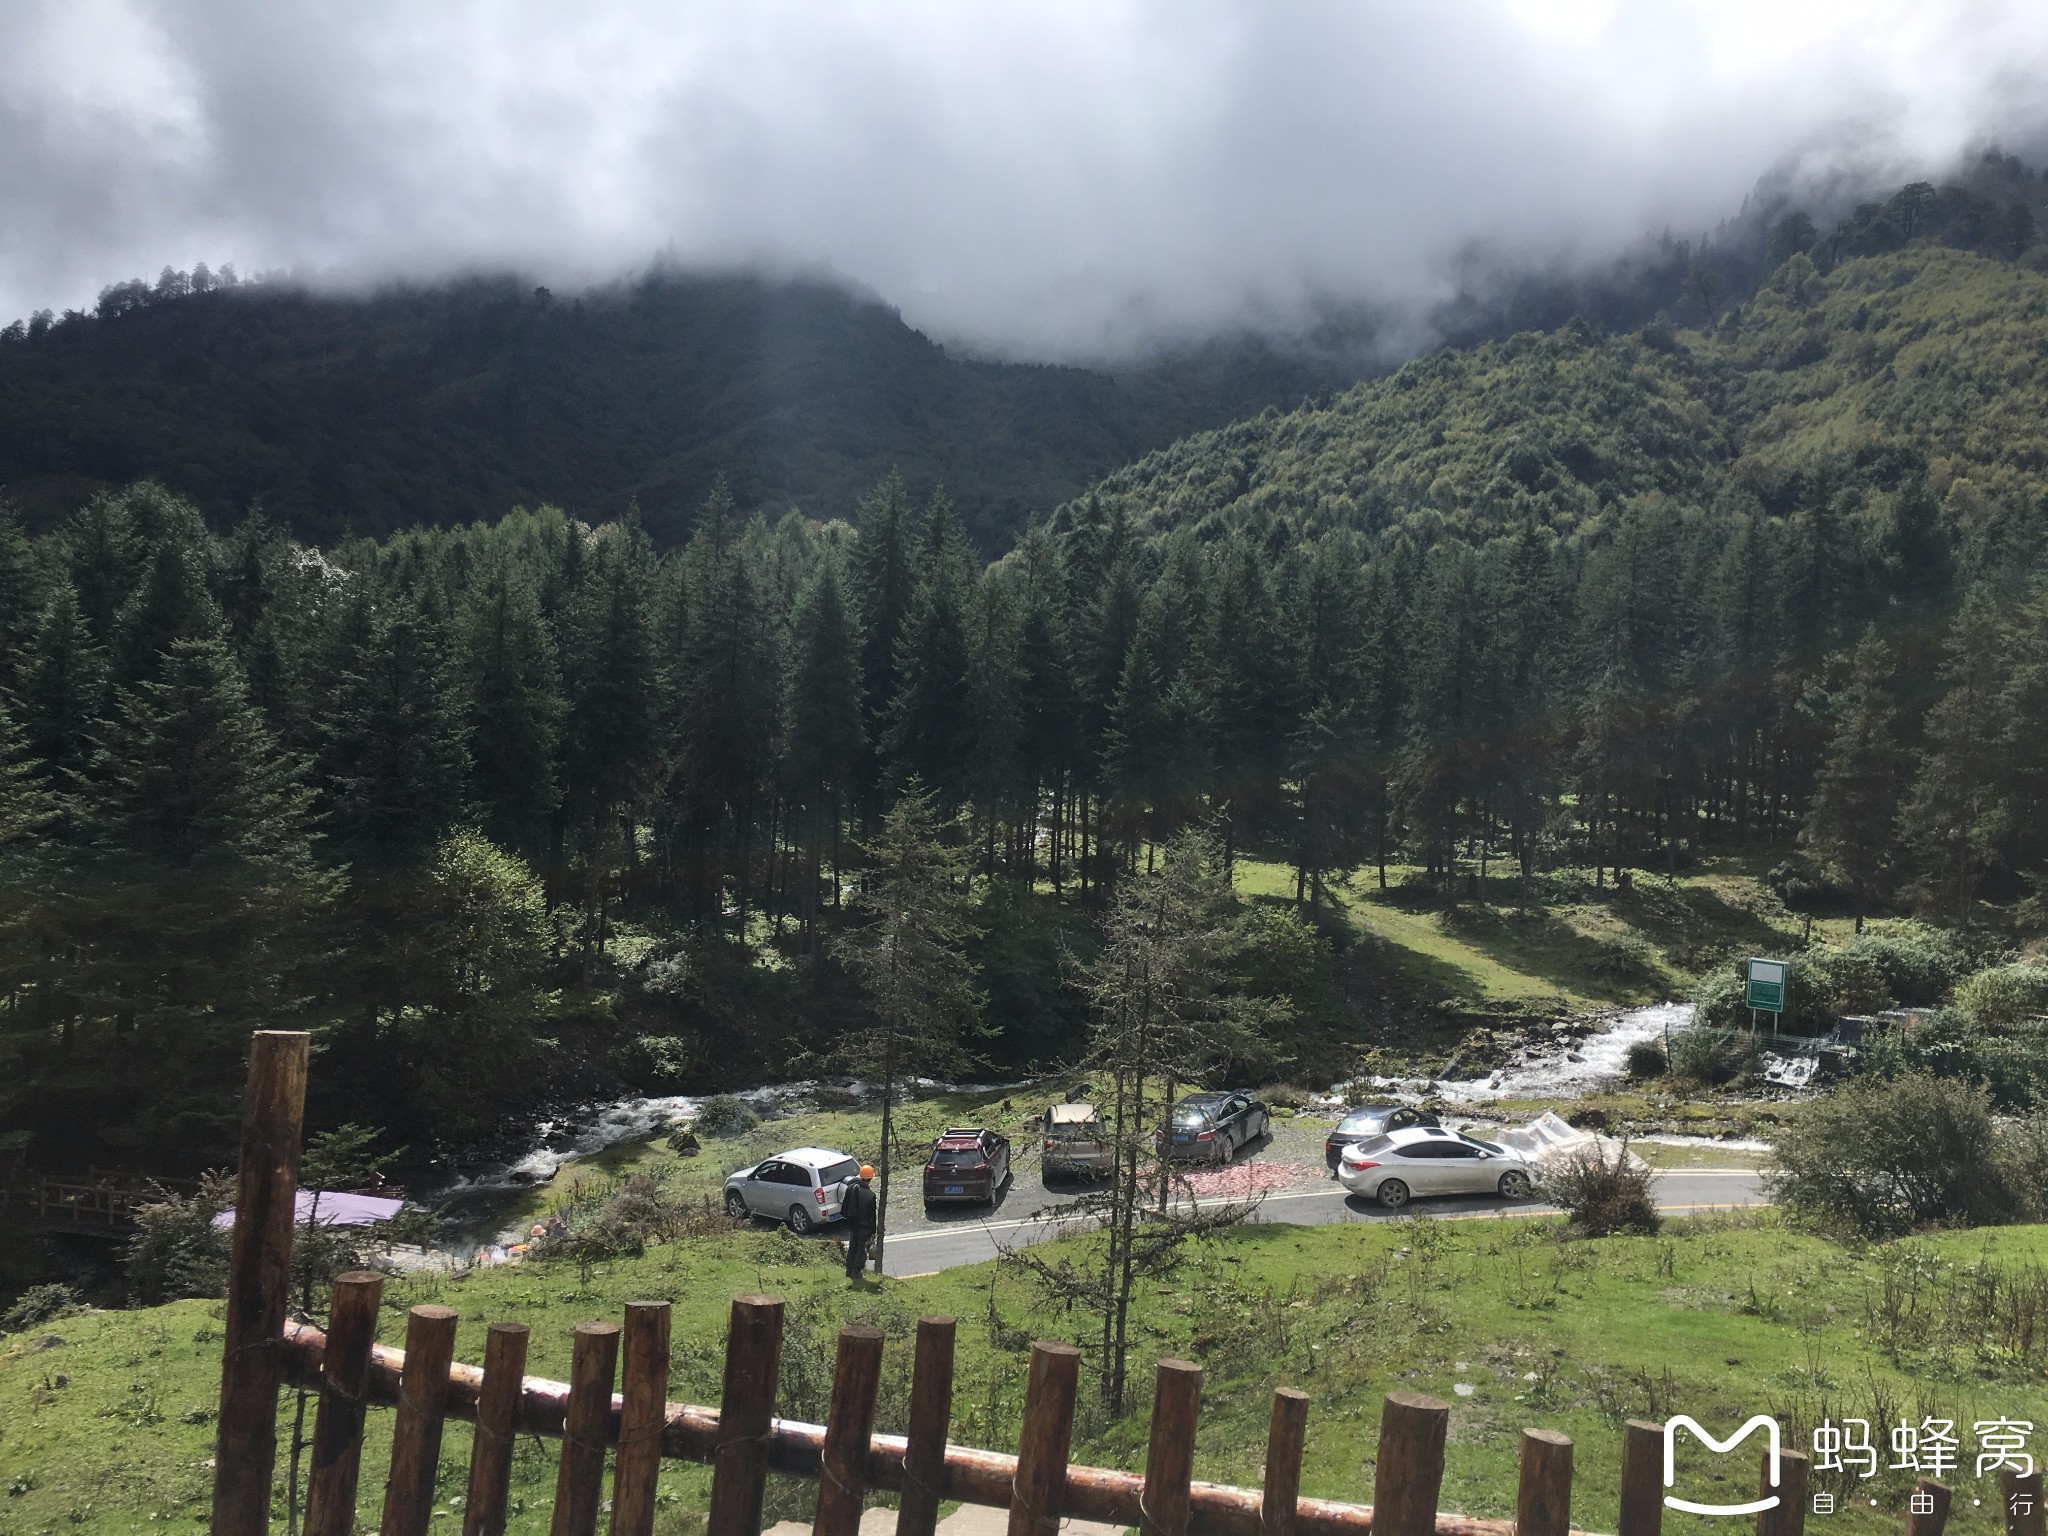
x,y
61,689
909,954
609,751
725,710
822,731
1960,807
884,576
1849,824
931,720
198,908
512,706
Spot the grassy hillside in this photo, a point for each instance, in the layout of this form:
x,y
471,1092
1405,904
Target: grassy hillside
x,y
1928,359
105,1418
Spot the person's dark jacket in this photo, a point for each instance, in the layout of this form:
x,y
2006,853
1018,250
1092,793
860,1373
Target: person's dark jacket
x,y
857,1204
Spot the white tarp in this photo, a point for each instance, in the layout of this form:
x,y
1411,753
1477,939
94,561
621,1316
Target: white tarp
x,y
1548,1139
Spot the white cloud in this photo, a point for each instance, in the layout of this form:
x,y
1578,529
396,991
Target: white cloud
x,y
1040,176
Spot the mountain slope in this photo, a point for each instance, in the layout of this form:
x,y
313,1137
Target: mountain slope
x,y
1931,361
363,415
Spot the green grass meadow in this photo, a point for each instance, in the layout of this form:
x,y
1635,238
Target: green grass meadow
x,y
110,1429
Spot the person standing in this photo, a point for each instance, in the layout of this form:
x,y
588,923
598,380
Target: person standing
x,y
857,1205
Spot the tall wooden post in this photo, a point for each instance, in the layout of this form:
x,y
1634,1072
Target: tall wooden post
x,y
1409,1472
1286,1436
579,1475
1543,1505
1170,1454
2024,1515
753,1361
1040,1488
1789,1518
259,1282
344,1389
1642,1479
843,1467
1930,1520
497,1423
642,1413
416,1428
931,1419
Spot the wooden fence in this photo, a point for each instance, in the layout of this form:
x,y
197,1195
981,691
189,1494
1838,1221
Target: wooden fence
x,y
743,1441
98,1201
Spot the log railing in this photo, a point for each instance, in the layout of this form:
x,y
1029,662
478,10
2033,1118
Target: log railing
x,y
743,1441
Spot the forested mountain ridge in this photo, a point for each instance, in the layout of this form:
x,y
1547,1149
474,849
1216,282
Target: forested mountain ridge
x,y
347,415
1929,362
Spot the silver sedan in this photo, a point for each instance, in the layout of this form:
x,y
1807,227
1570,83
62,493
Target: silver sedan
x,y
1426,1160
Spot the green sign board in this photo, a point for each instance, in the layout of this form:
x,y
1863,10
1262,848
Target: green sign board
x,y
1766,990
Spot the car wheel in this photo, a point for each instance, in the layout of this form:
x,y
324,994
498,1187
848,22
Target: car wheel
x,y
735,1205
800,1221
1393,1194
1514,1185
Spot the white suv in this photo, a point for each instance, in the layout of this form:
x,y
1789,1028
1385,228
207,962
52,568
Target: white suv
x,y
800,1186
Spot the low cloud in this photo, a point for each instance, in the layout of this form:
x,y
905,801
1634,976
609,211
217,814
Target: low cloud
x,y
1038,179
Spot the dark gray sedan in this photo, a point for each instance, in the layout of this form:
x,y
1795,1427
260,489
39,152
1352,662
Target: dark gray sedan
x,y
1211,1127
1362,1122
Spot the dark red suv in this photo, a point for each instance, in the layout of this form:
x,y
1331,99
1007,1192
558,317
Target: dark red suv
x,y
967,1163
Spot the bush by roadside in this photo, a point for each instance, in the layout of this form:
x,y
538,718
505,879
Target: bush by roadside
x,y
1883,1157
1603,1194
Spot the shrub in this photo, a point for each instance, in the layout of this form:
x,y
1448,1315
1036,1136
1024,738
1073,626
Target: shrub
x,y
1285,1096
724,1115
1920,965
1603,1194
620,1219
1711,1055
1885,1157
1646,1059
37,1305
2005,995
177,1251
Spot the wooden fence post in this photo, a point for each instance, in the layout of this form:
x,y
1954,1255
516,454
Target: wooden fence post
x,y
931,1419
642,1416
1543,1504
1286,1435
259,1277
753,1361
416,1429
579,1476
1409,1472
344,1387
843,1468
1170,1453
1930,1521
1642,1480
487,1507
1789,1518
1040,1488
2021,1493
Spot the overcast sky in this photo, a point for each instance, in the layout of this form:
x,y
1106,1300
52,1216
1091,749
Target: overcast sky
x,y
1041,178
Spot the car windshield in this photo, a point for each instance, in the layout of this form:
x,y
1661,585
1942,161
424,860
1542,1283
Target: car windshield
x,y
1364,1119
955,1157
839,1173
1188,1114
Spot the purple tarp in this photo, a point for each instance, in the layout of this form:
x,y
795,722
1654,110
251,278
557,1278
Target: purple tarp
x,y
336,1210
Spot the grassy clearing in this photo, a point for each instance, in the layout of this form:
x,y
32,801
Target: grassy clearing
x,y
1721,1318
1561,944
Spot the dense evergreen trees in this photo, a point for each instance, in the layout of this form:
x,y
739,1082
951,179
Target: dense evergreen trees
x,y
409,791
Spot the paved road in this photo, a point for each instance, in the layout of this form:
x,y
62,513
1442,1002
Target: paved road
x,y
1024,1215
